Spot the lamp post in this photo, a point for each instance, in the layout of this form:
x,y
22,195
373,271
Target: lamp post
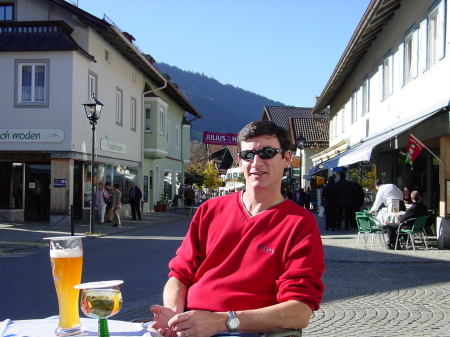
x,y
93,110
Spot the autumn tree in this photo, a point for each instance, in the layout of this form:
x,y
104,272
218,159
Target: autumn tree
x,y
211,177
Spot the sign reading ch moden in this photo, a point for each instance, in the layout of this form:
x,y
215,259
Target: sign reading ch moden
x,y
31,135
219,138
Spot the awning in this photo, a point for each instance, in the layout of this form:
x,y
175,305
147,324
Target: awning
x,y
363,150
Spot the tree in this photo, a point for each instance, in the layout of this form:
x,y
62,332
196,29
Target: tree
x,y
211,177
198,157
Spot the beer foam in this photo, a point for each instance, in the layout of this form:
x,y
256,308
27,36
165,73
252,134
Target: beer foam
x,y
66,253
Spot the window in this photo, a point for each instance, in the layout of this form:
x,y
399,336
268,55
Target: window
x,y
161,121
436,34
148,119
119,106
343,119
386,71
365,97
410,57
177,136
336,125
133,114
6,12
32,83
168,132
92,85
108,55
353,108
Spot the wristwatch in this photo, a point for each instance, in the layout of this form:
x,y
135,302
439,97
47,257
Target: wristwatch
x,y
232,322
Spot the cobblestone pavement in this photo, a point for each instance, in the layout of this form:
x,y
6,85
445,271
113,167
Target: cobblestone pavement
x,y
369,293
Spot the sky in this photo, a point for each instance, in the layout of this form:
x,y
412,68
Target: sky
x,y
285,50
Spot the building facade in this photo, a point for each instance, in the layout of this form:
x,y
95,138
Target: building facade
x,y
53,57
392,81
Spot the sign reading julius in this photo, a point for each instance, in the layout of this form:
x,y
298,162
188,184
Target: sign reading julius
x,y
219,138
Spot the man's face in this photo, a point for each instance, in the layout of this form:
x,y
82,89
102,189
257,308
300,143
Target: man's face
x,y
262,173
131,185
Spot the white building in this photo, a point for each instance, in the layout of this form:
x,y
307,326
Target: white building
x,y
53,56
393,80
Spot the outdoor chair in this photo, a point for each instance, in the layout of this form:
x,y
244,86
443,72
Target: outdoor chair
x,y
368,226
417,229
431,221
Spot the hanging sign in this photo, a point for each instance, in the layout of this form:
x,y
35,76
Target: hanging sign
x,y
219,138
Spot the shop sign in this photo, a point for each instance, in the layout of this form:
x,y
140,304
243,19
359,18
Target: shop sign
x,y
31,135
219,138
108,145
59,182
296,171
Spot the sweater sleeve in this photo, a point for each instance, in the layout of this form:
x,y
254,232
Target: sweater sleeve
x,y
301,280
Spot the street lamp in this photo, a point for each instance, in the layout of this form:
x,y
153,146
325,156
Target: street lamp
x,y
93,110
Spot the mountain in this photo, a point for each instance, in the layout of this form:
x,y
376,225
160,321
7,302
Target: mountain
x,y
224,108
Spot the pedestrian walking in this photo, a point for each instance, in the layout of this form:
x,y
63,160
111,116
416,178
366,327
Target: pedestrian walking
x,y
117,205
101,200
135,196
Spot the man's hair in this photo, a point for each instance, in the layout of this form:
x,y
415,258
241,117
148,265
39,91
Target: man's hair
x,y
107,183
342,175
415,196
117,186
264,128
378,182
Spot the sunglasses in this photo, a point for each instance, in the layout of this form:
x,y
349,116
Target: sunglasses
x,y
264,153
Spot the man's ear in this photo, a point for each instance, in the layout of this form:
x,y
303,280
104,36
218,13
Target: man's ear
x,y
287,158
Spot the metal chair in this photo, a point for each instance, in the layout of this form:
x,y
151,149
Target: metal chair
x,y
431,218
417,229
368,226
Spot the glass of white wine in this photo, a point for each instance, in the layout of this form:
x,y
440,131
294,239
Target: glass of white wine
x,y
101,300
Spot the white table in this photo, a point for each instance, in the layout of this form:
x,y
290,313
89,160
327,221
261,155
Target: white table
x,y
46,328
388,217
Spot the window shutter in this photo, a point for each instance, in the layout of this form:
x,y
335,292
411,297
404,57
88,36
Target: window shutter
x,y
423,56
391,74
415,53
380,73
401,64
441,30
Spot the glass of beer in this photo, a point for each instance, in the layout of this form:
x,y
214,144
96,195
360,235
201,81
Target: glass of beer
x,y
66,256
101,300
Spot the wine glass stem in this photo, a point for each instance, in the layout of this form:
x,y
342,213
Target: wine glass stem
x,y
103,328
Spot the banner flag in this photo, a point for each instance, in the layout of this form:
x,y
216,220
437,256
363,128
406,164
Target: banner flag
x,y
219,138
413,150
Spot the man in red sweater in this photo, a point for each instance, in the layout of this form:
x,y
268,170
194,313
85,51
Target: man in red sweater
x,y
252,261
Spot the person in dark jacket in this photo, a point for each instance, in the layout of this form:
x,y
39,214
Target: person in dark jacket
x,y
416,210
135,201
330,203
357,199
346,190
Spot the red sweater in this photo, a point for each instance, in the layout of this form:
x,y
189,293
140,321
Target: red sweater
x,y
232,261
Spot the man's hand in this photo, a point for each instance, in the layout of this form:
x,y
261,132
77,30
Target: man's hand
x,y
161,317
198,323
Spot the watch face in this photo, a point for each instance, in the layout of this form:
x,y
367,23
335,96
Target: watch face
x,y
233,323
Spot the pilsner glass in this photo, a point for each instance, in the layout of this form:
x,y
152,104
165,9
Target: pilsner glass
x,y
66,255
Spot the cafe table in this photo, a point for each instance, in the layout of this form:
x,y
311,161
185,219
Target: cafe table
x,y
46,328
388,217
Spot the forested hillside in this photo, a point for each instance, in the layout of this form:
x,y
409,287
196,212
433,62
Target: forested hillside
x,y
224,108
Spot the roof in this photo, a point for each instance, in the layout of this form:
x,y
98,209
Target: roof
x,y
122,41
314,131
42,36
279,114
376,16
